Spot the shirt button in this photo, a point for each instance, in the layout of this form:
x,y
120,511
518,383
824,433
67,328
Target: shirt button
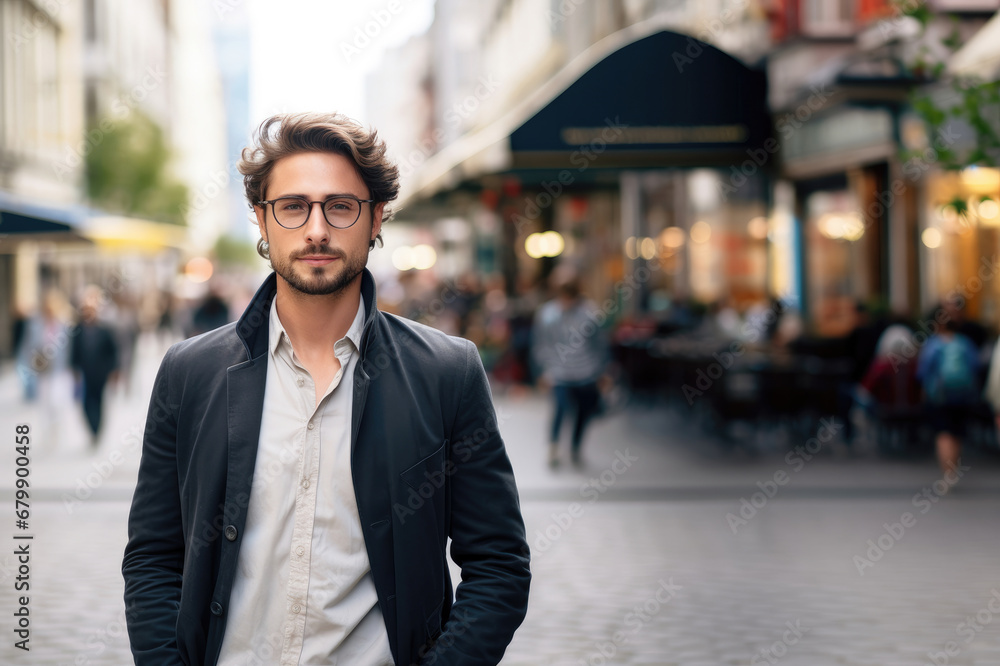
x,y
216,608
300,551
231,532
296,608
300,382
305,483
311,425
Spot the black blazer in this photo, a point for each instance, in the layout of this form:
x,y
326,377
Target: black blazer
x,y
427,461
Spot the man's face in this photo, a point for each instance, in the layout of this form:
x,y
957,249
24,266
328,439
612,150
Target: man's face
x,y
316,258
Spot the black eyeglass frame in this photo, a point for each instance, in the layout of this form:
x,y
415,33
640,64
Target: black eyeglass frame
x,y
321,209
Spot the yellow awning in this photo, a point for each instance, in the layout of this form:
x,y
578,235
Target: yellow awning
x,y
122,234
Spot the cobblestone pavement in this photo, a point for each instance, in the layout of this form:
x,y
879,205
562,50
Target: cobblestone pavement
x,y
785,589
641,557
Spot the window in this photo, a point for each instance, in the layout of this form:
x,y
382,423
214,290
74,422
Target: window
x,y
828,18
29,114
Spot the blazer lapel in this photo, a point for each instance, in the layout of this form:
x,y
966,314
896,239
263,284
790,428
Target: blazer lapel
x,y
245,392
245,387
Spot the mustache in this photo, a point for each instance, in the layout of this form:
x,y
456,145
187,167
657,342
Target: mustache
x,y
320,250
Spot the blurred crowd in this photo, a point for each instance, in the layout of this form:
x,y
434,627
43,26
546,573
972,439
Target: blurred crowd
x,y
906,380
940,372
73,348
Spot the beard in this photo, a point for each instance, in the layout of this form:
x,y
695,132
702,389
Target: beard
x,y
319,280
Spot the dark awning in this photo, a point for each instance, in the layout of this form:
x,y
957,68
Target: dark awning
x,y
634,100
665,99
25,218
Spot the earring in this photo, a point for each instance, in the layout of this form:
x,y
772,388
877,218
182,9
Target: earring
x,y
265,246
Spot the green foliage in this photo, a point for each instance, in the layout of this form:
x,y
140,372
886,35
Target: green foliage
x,y
918,10
954,40
972,97
127,170
960,206
230,250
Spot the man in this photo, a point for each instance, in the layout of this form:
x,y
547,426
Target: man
x,y
94,358
304,467
572,351
948,370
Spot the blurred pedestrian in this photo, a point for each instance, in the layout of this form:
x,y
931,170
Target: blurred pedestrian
x,y
991,392
123,319
948,370
165,325
572,351
94,359
859,345
211,313
889,392
891,379
43,362
974,332
20,332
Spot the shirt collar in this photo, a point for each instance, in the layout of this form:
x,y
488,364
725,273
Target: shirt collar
x,y
276,331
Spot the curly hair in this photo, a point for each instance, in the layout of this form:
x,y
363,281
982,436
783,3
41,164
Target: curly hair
x,y
287,134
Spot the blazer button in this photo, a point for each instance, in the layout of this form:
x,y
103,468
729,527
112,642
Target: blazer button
x,y
216,608
231,532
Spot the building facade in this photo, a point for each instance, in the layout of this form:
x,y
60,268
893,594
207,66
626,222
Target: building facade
x,y
824,201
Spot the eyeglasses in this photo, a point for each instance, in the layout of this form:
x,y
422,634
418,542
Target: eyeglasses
x,y
340,211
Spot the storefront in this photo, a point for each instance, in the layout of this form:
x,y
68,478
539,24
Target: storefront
x,y
960,241
852,207
652,158
960,210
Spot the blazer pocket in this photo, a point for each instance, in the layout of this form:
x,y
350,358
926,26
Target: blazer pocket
x,y
430,473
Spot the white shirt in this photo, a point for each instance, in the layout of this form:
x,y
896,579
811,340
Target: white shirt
x,y
303,592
